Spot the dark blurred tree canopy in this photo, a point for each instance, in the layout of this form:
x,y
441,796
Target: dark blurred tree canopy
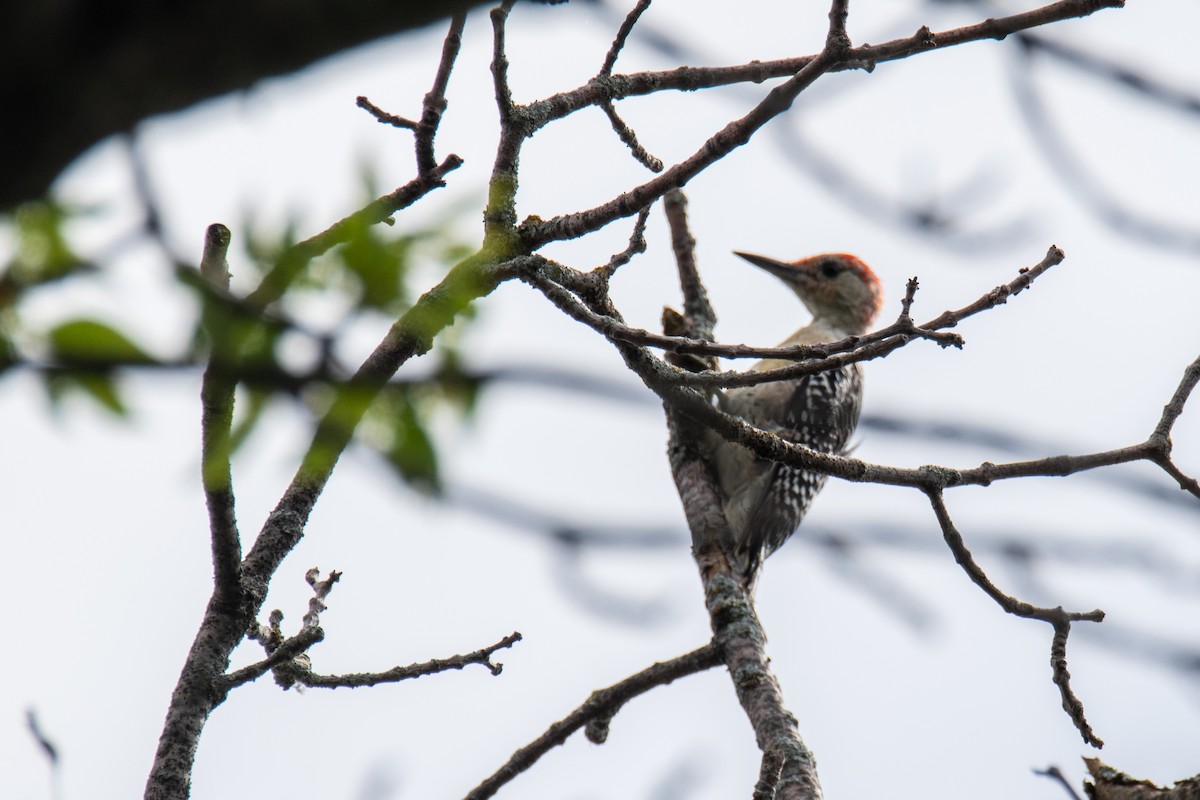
x,y
74,73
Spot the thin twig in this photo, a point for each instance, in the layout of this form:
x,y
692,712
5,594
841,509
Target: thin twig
x,y
384,117
1160,439
636,246
223,627
863,57
771,447
664,380
696,306
500,214
504,99
623,131
293,261
603,704
482,656
1174,406
803,72
284,652
1058,618
629,138
837,40
410,336
810,358
698,319
434,104
216,424
623,32
737,133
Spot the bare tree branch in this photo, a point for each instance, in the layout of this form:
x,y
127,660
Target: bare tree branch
x,y
551,278
384,117
216,424
1059,619
596,713
700,316
483,657
741,637
707,530
1112,784
943,216
1160,439
787,768
610,60
766,445
199,688
636,246
786,760
630,139
535,232
434,104
623,131
292,262
863,57
282,653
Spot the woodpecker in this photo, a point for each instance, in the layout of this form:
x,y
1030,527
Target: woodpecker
x,y
765,501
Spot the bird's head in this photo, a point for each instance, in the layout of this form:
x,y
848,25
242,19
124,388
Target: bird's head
x,y
838,289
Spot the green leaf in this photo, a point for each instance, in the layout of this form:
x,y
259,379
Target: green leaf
x,y
100,387
395,428
379,265
42,253
252,344
86,341
268,250
455,385
412,453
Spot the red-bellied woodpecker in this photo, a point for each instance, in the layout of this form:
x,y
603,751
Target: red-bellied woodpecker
x,y
765,501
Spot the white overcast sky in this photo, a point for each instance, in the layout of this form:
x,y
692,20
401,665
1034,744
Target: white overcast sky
x,y
103,524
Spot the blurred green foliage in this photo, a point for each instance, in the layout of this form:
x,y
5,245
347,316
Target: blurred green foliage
x,y
88,343
41,252
368,279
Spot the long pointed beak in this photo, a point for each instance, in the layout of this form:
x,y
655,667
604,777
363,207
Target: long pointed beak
x,y
780,269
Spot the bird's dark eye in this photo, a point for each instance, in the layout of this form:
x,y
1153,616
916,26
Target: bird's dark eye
x,y
831,268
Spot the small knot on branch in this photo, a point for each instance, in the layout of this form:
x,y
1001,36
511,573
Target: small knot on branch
x,y
937,478
597,729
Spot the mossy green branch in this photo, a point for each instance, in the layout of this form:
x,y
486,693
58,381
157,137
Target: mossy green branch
x,y
500,216
410,336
